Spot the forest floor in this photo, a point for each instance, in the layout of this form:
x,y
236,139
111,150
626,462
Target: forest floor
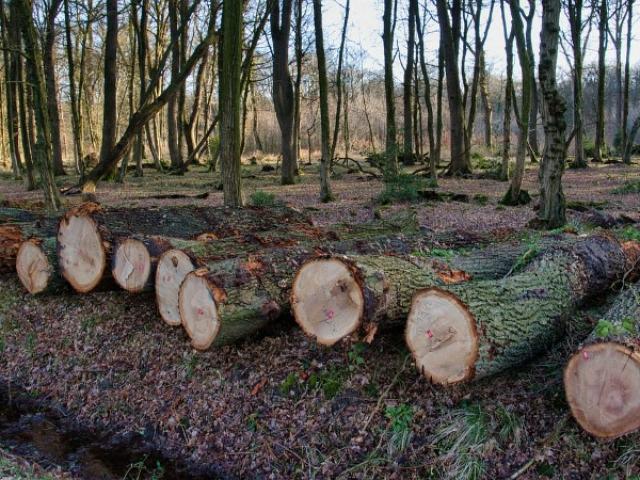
x,y
278,405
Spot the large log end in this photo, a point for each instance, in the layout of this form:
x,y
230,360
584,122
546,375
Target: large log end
x,y
198,311
131,265
442,337
32,266
602,382
173,267
327,300
81,252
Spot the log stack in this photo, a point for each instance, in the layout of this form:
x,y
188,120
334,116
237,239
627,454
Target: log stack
x,y
88,234
223,274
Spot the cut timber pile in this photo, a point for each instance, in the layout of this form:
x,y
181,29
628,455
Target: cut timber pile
x,y
602,379
465,332
88,233
227,300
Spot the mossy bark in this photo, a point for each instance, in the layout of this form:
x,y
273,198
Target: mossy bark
x,y
521,316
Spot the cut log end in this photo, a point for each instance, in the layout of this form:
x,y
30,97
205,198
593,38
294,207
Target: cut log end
x,y
131,265
327,300
198,311
441,335
81,252
602,382
32,265
173,267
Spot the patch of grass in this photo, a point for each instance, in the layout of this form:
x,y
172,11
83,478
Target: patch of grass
x,y
631,186
252,422
260,198
509,426
629,233
469,433
480,199
329,381
11,469
445,254
30,343
400,418
289,384
355,355
189,363
88,324
403,188
140,469
2,345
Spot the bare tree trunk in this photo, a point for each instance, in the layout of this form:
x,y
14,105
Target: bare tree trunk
x,y
391,147
575,21
173,126
76,123
9,53
508,96
339,89
297,90
513,195
552,203
230,94
43,154
325,160
449,38
486,103
283,98
109,116
602,47
626,145
407,154
48,59
437,148
433,147
535,101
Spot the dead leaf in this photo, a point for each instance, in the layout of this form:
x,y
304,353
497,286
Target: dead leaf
x,y
258,387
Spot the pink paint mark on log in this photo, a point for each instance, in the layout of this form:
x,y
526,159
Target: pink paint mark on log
x,y
585,355
429,334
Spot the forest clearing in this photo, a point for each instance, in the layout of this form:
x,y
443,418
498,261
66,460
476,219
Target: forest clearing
x,y
325,240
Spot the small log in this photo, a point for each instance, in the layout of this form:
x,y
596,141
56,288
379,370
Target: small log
x,y
466,332
13,234
602,379
37,266
87,233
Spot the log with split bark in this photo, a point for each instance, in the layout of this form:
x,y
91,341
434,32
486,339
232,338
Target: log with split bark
x,y
602,379
466,332
225,301
87,233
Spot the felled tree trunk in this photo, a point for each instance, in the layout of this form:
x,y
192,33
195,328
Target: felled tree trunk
x,y
466,332
37,266
225,301
602,379
13,234
87,234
